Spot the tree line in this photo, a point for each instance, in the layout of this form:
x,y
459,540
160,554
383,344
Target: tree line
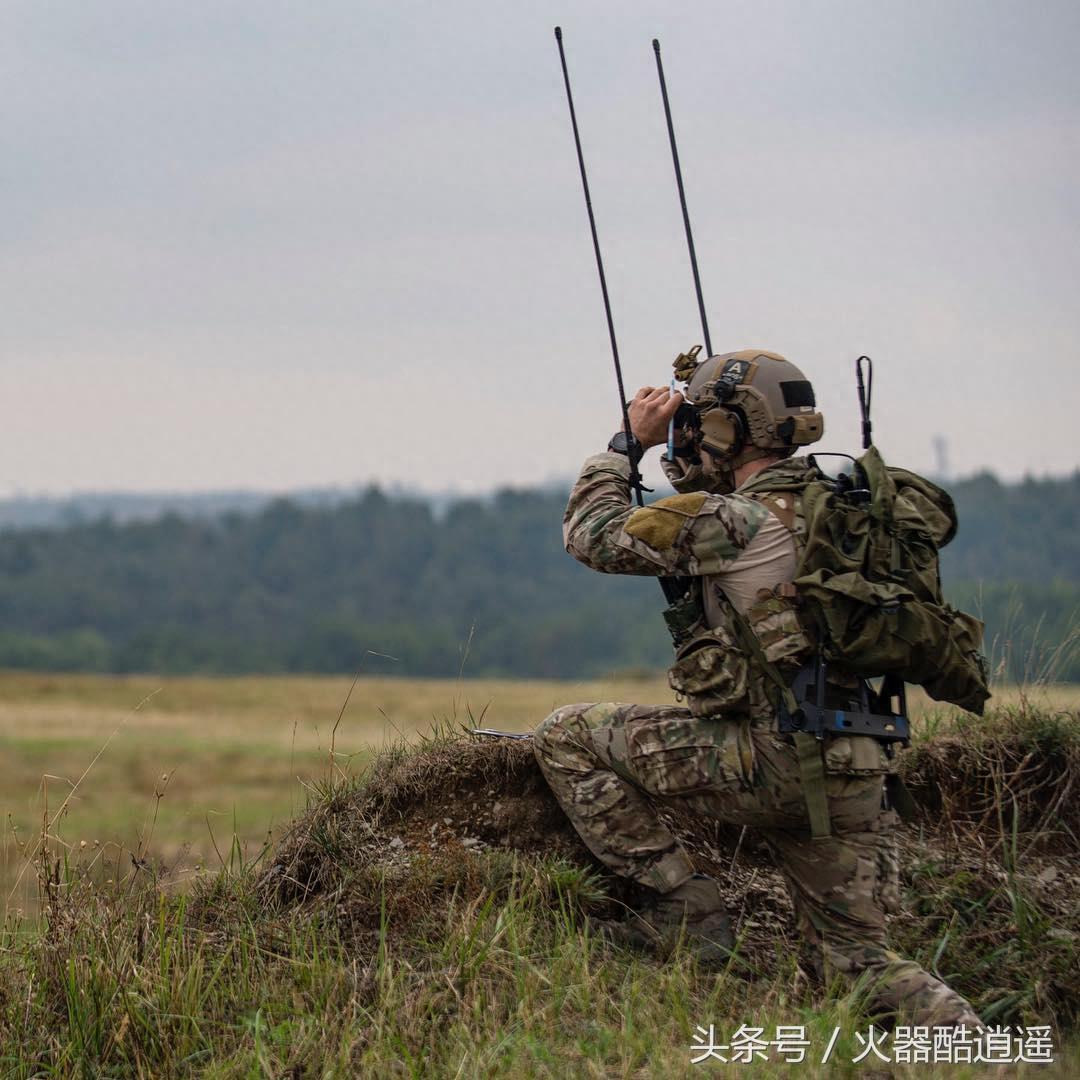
x,y
482,586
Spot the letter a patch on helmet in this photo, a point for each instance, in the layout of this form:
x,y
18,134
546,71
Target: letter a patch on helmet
x,y
660,524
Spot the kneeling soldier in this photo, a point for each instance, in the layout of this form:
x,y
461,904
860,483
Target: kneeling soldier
x,y
736,527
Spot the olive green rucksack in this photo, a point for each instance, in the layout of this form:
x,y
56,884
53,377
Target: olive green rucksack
x,y
869,588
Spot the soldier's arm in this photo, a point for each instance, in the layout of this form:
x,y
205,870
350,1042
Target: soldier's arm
x,y
683,475
694,533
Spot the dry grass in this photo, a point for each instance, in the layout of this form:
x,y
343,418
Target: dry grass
x,y
431,920
235,757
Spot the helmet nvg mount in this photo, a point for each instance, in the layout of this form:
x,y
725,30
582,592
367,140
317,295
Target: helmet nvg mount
x,y
749,404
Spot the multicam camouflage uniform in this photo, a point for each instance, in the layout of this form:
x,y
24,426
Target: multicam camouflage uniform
x,y
603,761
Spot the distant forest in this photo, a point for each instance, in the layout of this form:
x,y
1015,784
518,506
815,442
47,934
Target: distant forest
x,y
481,585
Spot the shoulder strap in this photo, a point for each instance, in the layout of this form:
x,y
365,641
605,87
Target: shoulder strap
x,y
807,747
781,506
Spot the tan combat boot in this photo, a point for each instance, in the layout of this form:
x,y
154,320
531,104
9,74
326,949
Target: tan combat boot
x,y
694,914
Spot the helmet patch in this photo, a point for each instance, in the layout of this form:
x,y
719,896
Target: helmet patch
x,y
798,393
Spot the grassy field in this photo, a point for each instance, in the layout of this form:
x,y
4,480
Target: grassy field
x,y
234,758
231,757
434,916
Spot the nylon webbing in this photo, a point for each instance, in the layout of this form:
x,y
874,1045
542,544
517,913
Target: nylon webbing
x,y
807,747
749,642
812,774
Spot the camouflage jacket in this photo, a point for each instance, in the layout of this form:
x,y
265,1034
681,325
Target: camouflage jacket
x,y
693,533
700,535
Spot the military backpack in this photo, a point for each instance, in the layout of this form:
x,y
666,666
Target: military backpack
x,y
868,588
865,602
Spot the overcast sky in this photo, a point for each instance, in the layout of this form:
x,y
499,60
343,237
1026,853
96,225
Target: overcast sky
x,y
277,245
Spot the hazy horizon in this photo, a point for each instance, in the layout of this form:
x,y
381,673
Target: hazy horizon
x,y
405,490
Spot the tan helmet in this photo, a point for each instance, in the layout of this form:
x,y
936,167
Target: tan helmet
x,y
749,403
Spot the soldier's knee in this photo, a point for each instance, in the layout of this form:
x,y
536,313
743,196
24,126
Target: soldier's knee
x,y
555,729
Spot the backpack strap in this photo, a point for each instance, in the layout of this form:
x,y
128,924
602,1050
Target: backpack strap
x,y
783,497
807,746
812,775
782,507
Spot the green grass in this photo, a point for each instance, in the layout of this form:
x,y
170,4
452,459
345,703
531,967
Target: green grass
x,y
451,962
505,980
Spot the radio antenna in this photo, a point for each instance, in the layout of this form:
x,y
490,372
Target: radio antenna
x,y
674,587
635,476
865,390
682,198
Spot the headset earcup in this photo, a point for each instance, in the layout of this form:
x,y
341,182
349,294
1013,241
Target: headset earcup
x,y
722,431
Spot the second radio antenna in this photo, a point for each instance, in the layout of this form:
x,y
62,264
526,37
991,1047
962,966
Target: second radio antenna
x,y
682,198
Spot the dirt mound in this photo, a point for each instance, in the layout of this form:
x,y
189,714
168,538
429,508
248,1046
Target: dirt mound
x,y
457,819
475,793
430,820
1019,775
461,796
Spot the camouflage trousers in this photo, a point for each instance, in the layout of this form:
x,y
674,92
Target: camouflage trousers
x,y
608,764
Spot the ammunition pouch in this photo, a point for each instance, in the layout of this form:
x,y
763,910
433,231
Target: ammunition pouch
x,y
774,618
711,672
